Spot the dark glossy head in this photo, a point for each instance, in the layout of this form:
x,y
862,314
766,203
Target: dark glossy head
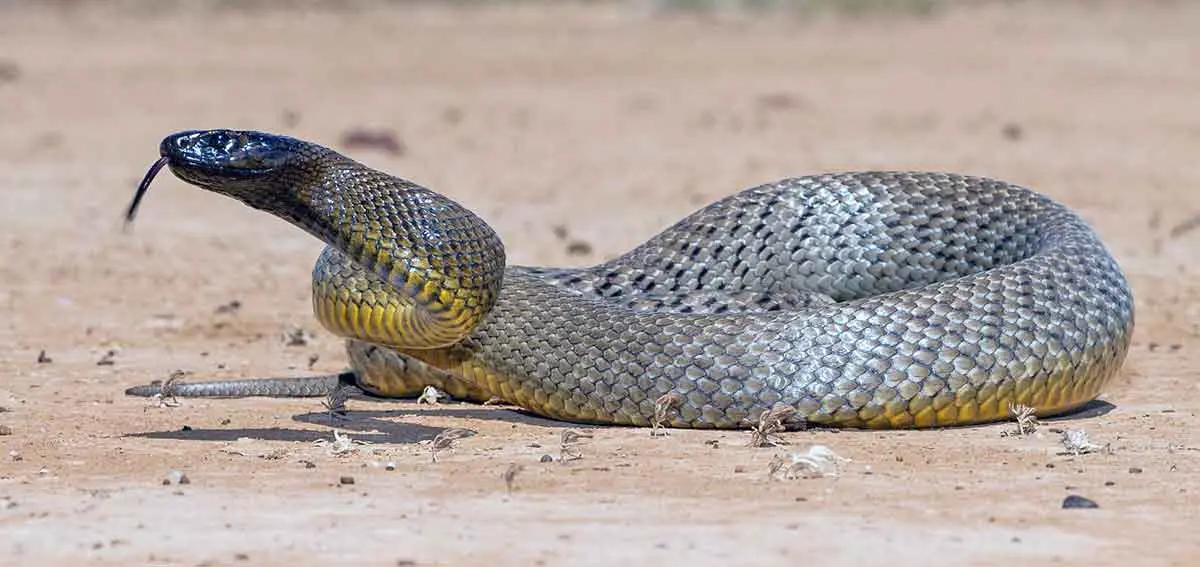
x,y
250,166
216,158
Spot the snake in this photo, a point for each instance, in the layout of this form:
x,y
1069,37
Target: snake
x,y
862,299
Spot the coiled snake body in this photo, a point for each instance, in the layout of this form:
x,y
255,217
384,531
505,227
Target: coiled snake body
x,y
870,299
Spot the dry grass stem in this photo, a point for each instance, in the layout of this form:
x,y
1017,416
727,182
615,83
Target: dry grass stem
x,y
166,396
510,475
335,402
770,424
1027,421
568,449
665,407
445,440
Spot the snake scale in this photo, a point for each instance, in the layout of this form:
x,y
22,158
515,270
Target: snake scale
x,y
864,299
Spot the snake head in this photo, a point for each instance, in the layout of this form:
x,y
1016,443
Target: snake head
x,y
220,159
246,165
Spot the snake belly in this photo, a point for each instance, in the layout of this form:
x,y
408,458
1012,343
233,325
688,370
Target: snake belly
x,y
862,299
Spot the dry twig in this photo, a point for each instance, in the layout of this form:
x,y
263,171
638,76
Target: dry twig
x,y
770,424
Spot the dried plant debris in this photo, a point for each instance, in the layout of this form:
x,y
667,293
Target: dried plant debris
x,y
166,395
568,448
445,441
510,476
1185,227
335,402
819,461
432,396
108,359
342,445
1026,418
770,424
297,336
44,358
665,407
1076,443
227,308
176,477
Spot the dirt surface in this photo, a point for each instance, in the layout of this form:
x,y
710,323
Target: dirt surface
x,y
577,133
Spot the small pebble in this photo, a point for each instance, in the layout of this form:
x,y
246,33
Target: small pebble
x,y
1012,132
579,248
1075,501
346,480
547,459
389,467
1135,470
5,430
44,358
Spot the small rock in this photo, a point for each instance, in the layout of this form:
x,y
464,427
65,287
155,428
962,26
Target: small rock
x,y
5,430
547,459
230,307
346,479
1135,470
579,248
44,358
14,455
390,466
778,101
1076,501
290,118
1012,132
9,71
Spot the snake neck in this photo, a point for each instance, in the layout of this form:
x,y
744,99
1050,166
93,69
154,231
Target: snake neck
x,y
446,263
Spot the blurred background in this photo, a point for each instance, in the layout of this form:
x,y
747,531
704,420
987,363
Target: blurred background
x,y
578,129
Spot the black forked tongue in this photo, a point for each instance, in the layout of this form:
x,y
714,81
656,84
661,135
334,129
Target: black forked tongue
x,y
141,190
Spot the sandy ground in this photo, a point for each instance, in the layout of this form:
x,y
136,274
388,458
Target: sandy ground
x,y
606,124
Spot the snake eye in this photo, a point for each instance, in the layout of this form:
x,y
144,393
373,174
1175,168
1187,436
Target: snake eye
x,y
228,152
